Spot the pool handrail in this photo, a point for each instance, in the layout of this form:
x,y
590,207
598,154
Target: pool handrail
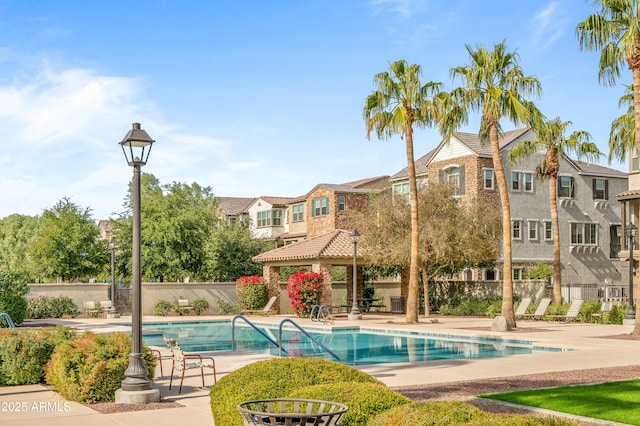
x,y
233,333
314,340
8,319
325,317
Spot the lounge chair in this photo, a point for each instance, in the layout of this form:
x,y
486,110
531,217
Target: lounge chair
x,y
184,307
572,313
522,307
107,308
185,361
90,309
267,310
540,310
604,309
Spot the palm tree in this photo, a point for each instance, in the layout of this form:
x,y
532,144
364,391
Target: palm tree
x,y
621,136
550,137
400,103
495,86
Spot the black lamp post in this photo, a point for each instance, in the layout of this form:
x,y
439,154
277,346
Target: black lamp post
x,y
355,311
112,247
136,387
631,231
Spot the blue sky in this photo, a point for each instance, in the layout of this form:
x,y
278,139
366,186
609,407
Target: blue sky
x,y
250,98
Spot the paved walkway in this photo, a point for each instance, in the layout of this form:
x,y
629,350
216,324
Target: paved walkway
x,y
36,404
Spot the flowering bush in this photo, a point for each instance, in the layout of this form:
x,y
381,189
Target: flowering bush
x,y
252,292
304,289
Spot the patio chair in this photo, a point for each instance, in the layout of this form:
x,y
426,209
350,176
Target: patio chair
x,y
572,313
604,309
90,309
522,307
267,310
540,310
185,361
184,306
107,308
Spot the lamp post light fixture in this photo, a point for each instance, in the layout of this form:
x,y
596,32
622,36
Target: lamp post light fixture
x,y
112,294
631,233
355,311
136,386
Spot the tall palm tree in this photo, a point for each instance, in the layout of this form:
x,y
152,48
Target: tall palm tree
x,y
400,103
495,86
550,137
621,136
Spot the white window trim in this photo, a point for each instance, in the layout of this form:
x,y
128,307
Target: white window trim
x,y
519,174
493,179
534,223
533,186
513,221
545,230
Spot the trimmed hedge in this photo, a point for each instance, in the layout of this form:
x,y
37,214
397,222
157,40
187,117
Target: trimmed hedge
x,y
457,413
51,307
24,353
275,378
91,368
13,289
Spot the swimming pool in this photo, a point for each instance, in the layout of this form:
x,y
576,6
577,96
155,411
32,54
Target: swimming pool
x,y
352,345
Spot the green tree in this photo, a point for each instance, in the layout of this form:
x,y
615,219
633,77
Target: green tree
x,y
622,134
229,253
399,104
13,289
17,234
495,85
67,244
551,138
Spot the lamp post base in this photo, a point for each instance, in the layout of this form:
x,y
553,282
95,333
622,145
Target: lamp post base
x,y
354,316
137,397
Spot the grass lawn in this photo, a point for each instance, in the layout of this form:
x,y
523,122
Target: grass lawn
x,y
614,401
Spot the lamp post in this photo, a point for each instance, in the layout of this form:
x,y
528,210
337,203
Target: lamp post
x,y
631,231
112,247
136,387
355,311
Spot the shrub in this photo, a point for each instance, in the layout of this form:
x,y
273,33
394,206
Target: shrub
x,y
200,305
51,307
252,292
24,353
456,413
305,290
365,400
13,289
472,307
91,368
275,378
617,314
228,308
163,308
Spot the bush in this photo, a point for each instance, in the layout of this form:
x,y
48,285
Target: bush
x,y
617,314
228,308
200,305
252,292
24,353
13,289
275,378
51,307
489,307
91,368
365,400
163,308
305,290
456,413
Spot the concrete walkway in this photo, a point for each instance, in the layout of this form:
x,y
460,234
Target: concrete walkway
x,y
36,404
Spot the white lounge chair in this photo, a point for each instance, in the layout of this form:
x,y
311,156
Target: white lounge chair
x,y
185,361
267,310
107,307
90,309
540,310
184,306
604,309
572,313
522,307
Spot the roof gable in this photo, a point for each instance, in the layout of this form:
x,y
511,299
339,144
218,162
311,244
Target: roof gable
x,y
335,245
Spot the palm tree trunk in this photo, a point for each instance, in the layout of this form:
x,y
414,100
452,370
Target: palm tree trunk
x,y
636,106
507,281
425,284
412,297
555,225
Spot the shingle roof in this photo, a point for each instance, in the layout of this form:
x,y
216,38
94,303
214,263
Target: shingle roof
x,y
277,201
334,244
595,169
420,164
234,205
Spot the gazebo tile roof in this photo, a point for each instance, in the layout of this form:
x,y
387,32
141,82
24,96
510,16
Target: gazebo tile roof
x,y
334,244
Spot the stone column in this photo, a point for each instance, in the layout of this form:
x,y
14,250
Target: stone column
x,y
325,269
271,275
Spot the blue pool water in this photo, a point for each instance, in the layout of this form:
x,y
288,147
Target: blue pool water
x,y
352,345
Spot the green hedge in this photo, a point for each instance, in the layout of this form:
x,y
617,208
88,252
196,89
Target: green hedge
x,y
275,378
24,353
51,307
91,368
13,289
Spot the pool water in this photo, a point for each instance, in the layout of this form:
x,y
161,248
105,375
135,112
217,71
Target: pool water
x,y
353,345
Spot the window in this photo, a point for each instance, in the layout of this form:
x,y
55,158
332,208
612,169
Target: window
x,y
467,275
548,231
584,234
615,240
454,177
277,217
342,203
489,181
528,181
401,189
600,189
634,158
298,212
533,229
565,186
490,275
516,229
264,218
515,181
516,274
320,206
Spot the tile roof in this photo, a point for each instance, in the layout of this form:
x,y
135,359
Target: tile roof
x,y
234,205
335,245
631,194
277,201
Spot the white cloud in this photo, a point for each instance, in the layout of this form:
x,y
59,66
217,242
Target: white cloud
x,y
548,25
403,8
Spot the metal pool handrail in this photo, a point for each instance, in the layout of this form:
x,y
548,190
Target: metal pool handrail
x,y
329,351
8,319
233,333
320,315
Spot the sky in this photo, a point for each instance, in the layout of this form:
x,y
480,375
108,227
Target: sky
x,y
251,97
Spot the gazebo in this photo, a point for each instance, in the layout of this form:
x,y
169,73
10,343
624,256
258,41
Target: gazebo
x,y
334,248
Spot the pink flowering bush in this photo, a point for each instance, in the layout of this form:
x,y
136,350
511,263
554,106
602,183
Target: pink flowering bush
x,y
305,290
252,292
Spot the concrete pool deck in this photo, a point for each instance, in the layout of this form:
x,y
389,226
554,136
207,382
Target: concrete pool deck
x,y
40,403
